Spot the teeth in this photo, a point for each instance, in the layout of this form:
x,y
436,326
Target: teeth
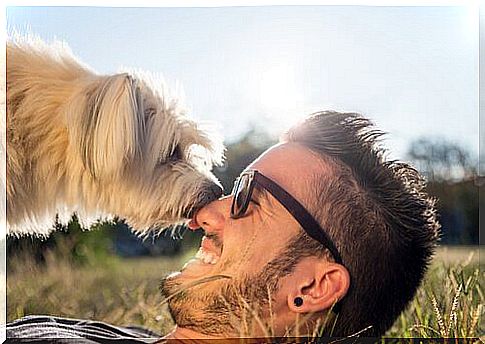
x,y
207,258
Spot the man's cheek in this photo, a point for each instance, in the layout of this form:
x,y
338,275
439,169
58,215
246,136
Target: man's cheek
x,y
241,248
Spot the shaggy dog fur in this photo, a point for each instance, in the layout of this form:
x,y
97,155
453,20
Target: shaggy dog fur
x,y
98,145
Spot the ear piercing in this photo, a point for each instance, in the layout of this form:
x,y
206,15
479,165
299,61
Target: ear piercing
x,y
298,301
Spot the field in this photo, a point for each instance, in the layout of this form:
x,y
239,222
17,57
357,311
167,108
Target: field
x,y
450,302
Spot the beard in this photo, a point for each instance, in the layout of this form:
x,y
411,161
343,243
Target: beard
x,y
232,309
229,311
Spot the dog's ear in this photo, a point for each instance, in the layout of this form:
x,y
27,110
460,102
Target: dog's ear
x,y
110,129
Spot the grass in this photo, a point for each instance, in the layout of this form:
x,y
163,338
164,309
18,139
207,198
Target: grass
x,y
450,303
119,291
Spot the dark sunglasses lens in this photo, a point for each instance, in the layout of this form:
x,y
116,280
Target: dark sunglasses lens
x,y
241,196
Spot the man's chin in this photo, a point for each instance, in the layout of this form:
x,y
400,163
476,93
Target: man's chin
x,y
212,307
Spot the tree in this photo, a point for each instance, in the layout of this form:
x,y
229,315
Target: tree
x,y
452,180
442,160
240,154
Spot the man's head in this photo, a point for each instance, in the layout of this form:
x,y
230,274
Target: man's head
x,y
375,213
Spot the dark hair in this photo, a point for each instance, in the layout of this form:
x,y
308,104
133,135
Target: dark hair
x,y
376,212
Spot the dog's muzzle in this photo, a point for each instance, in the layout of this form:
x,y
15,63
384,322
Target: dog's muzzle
x,y
212,193
215,192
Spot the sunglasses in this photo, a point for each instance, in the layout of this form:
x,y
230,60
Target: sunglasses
x,y
242,192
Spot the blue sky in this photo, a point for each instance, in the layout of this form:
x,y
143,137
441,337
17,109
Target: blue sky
x,y
413,70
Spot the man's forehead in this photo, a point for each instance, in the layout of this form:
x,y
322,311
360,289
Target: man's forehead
x,y
292,166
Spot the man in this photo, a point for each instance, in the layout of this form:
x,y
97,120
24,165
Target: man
x,y
320,235
367,252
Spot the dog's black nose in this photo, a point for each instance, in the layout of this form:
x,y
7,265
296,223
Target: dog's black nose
x,y
215,191
210,194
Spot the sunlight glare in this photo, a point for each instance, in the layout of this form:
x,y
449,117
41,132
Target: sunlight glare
x,y
279,93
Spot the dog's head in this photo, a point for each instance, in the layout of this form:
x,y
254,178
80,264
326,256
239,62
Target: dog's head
x,y
147,160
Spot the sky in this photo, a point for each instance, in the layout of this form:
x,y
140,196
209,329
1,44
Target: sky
x,y
412,70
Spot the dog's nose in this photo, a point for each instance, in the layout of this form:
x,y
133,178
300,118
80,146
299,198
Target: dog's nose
x,y
214,192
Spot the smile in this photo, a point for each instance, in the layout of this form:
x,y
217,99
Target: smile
x,y
206,257
210,250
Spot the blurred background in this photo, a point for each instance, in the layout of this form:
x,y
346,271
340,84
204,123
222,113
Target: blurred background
x,y
254,71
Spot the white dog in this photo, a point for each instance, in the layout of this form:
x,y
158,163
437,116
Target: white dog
x,y
98,145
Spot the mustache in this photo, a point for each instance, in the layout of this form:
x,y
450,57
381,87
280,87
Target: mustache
x,y
215,238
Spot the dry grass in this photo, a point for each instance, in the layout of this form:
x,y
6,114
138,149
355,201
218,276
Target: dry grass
x,y
120,291
125,291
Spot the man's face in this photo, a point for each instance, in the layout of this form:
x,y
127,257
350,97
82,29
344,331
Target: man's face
x,y
242,259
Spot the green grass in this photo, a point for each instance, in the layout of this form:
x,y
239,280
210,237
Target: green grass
x,y
125,291
450,301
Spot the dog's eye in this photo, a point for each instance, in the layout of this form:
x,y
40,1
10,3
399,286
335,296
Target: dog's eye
x,y
176,155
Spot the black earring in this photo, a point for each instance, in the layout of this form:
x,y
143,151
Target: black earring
x,y
298,301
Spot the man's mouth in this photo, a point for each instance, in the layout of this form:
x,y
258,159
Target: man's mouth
x,y
210,249
207,258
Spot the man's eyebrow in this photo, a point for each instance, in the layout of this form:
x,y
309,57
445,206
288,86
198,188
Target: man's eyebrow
x,y
261,193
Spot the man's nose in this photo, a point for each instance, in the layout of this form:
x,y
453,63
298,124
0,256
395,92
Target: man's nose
x,y
212,217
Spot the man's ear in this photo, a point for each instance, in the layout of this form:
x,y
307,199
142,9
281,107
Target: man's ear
x,y
322,285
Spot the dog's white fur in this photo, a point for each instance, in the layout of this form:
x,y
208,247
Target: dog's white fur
x,y
97,145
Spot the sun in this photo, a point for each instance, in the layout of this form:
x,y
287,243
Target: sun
x,y
279,94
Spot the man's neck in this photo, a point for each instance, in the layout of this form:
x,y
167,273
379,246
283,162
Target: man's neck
x,y
184,335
